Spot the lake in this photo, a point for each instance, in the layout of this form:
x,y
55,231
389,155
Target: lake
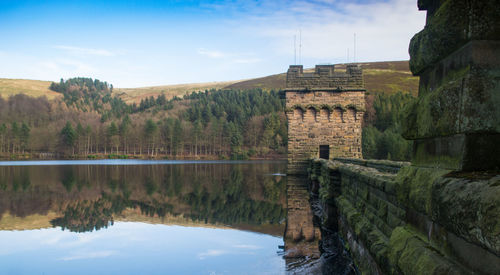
x,y
142,217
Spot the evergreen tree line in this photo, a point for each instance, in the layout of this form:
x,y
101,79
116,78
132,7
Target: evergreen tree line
x,y
382,134
14,139
87,94
88,120
228,123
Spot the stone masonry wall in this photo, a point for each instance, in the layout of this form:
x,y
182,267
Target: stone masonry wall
x,y
323,108
415,221
325,76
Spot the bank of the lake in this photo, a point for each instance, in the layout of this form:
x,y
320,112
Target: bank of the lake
x,y
57,156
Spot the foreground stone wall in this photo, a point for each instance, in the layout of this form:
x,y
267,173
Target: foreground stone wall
x,y
402,219
441,214
456,120
323,108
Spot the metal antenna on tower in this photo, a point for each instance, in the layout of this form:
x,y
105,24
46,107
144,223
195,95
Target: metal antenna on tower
x,y
300,46
354,58
295,49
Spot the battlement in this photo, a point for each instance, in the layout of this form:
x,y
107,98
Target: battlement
x,y
325,78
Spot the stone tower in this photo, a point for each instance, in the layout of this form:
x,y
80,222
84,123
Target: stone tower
x,y
324,110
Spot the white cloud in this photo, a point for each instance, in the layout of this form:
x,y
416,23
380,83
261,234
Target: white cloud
x,y
247,60
383,29
212,54
240,58
62,67
247,246
89,255
84,51
211,253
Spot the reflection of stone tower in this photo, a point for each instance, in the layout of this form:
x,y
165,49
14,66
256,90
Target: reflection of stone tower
x,y
324,111
301,235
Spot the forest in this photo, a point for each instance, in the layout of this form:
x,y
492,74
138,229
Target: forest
x,y
89,121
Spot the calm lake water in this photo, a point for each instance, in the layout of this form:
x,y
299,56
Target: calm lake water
x,y
142,217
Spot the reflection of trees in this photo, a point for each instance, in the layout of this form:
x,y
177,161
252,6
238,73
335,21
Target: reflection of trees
x,y
156,208
273,188
151,186
88,215
228,194
94,215
232,205
68,180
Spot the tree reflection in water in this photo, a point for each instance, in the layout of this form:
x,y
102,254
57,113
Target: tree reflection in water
x,y
92,197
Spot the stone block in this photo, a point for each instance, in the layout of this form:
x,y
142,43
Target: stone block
x,y
450,25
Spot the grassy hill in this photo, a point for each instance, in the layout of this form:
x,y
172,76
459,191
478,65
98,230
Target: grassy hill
x,y
131,95
34,88
387,77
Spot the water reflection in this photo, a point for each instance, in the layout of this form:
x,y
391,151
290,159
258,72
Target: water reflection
x,y
301,236
83,198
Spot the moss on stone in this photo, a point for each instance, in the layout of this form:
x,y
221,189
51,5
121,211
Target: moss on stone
x,y
435,112
378,245
470,208
453,24
414,187
409,254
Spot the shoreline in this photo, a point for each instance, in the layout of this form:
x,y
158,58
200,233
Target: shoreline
x,y
101,156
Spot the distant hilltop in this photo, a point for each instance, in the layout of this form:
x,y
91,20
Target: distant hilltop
x,y
380,77
387,77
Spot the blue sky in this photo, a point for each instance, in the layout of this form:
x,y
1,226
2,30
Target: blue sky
x,y
146,43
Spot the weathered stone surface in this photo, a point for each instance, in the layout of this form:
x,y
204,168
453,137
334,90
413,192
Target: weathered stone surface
x,y
323,108
457,56
437,221
410,254
325,78
466,206
460,95
450,25
470,208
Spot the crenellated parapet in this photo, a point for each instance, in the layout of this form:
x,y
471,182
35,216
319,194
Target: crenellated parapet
x,y
325,78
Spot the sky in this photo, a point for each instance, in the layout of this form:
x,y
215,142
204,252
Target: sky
x,y
148,43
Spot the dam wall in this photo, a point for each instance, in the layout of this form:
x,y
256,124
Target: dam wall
x,y
399,219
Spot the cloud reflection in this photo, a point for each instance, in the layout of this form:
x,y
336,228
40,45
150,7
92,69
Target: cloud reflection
x,y
211,253
90,255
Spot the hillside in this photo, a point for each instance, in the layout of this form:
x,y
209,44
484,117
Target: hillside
x,y
134,95
34,88
387,77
